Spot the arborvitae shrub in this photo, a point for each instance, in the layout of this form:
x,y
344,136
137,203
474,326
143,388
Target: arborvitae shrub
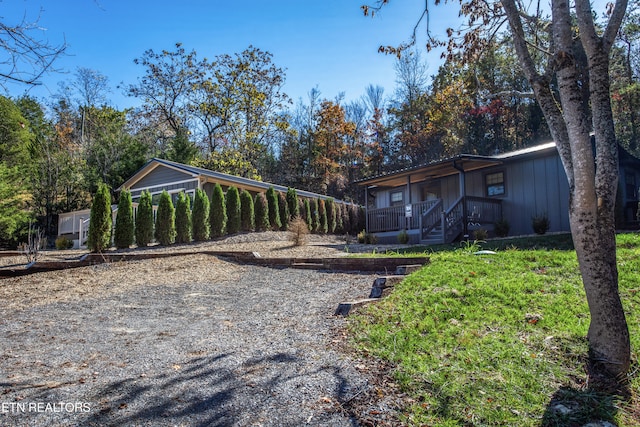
x,y
353,219
273,208
261,212
100,220
144,220
292,203
247,218
123,234
330,206
346,223
165,220
218,212
339,224
183,219
362,217
322,213
302,212
315,216
284,211
233,210
307,214
200,216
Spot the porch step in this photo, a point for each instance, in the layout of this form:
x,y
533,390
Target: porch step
x,y
434,237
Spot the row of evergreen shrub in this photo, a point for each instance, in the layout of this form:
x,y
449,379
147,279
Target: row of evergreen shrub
x,y
224,214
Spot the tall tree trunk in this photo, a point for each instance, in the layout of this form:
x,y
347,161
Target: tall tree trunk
x,y
608,331
592,179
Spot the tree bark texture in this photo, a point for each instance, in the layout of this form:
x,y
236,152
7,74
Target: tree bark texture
x,y
593,178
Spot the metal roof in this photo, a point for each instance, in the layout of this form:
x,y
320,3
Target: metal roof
x,y
450,166
215,177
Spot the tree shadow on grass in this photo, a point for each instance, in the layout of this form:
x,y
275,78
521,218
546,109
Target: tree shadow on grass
x,y
598,402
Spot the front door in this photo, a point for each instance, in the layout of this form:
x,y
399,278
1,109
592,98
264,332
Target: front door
x,y
431,191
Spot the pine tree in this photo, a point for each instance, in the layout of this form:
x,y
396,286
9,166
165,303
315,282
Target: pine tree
x,y
322,214
274,209
284,211
101,221
182,150
165,220
184,225
144,220
233,210
247,217
330,206
292,203
218,215
124,235
201,225
261,212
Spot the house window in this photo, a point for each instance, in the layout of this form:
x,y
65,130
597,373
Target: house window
x,y
396,198
495,184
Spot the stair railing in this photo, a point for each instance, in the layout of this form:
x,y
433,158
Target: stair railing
x,y
453,220
431,218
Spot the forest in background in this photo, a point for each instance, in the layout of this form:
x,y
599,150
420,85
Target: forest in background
x,y
230,114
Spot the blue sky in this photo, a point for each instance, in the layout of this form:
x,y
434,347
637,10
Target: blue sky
x,y
328,44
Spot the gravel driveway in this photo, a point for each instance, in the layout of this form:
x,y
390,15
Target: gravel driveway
x,y
193,341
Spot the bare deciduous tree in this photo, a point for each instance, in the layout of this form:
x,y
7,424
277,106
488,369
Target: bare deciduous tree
x,y
26,56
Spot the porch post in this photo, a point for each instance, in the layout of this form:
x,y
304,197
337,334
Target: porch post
x,y
366,208
463,193
407,221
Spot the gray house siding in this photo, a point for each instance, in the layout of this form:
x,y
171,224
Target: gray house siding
x,y
183,186
164,178
160,176
533,186
450,189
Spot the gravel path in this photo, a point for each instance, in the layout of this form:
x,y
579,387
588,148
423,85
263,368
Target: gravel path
x,y
191,341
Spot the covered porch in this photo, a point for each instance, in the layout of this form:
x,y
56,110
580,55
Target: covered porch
x,y
439,216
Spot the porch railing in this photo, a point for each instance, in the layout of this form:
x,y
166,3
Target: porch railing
x,y
482,211
466,213
395,219
431,218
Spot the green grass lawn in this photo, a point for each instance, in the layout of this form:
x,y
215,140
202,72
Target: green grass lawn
x,y
487,340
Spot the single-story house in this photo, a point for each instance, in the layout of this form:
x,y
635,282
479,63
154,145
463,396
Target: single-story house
x,y
448,199
158,175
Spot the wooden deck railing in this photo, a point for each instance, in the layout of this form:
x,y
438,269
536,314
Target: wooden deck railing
x,y
476,212
394,218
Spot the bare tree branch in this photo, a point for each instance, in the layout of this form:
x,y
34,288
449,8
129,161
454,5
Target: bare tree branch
x,y
26,57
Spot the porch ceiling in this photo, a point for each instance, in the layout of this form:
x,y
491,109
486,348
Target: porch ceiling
x,y
432,171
